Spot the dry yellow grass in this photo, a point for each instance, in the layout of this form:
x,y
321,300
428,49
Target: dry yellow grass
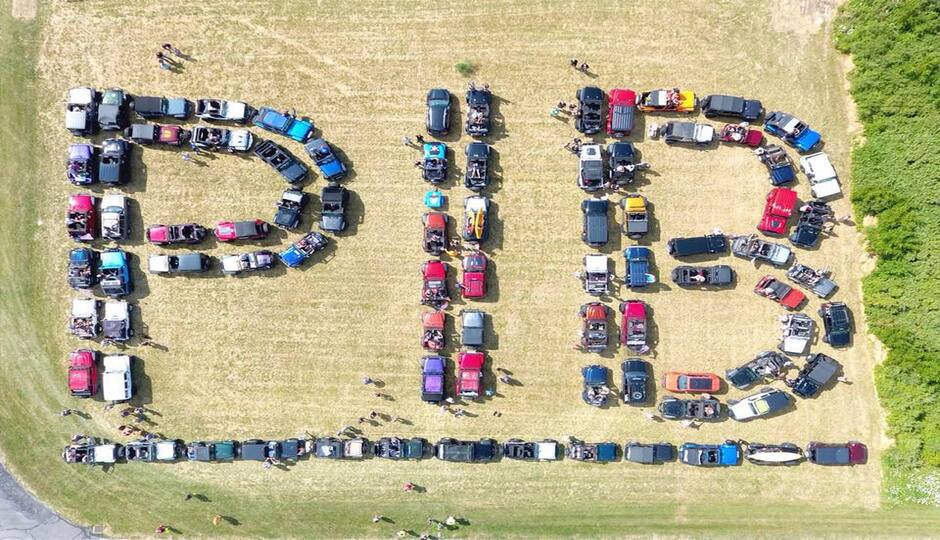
x,y
272,356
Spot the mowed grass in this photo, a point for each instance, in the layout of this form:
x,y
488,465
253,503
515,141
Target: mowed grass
x,y
277,355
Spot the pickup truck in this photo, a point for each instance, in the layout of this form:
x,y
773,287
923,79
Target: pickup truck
x,y
697,245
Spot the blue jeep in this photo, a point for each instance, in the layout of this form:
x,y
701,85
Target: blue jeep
x,y
323,155
115,273
710,455
778,164
283,123
792,130
434,166
596,392
301,250
81,274
638,266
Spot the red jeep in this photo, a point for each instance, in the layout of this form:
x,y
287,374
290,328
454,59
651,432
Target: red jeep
x,y
435,232
741,134
779,292
433,337
473,284
621,108
594,326
434,292
777,211
83,373
469,373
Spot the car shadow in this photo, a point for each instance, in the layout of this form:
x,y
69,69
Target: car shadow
x,y
135,224
638,134
355,215
492,284
494,240
143,389
139,278
614,236
456,122
307,221
490,335
344,158
497,120
496,173
137,177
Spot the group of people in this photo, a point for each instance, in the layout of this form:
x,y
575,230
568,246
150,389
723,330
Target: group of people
x,y
165,57
563,107
583,67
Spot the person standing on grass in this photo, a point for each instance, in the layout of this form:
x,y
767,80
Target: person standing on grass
x,y
65,412
216,519
160,529
171,49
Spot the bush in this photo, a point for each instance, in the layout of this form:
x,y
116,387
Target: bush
x,y
895,45
465,68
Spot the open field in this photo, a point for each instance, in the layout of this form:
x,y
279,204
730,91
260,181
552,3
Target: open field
x,y
279,354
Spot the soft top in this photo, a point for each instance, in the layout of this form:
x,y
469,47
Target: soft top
x,y
595,375
433,319
113,259
471,360
433,364
435,220
635,308
596,264
726,103
595,311
476,203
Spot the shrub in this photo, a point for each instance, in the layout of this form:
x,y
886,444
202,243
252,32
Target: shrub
x,y
895,45
465,68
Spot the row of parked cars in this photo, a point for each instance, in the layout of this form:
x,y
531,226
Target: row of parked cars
x,y
779,206
88,111
99,451
816,374
436,240
623,103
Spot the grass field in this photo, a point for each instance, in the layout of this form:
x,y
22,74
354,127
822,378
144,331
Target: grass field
x,y
280,354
